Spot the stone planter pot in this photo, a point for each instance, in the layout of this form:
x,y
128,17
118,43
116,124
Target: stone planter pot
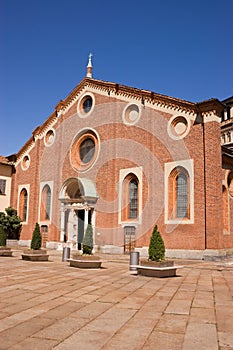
x,y
35,255
159,269
5,251
163,263
85,261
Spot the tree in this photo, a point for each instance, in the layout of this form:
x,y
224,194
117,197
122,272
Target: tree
x,y
2,237
156,247
11,223
36,238
88,240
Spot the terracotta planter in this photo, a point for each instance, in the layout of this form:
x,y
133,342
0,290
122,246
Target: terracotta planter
x,y
159,269
163,263
85,261
5,251
35,255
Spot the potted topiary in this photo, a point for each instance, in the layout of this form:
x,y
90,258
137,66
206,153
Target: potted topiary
x,y
156,265
36,253
86,259
4,251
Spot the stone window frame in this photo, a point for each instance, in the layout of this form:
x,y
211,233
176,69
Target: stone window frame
x,y
45,219
80,110
126,175
172,169
23,208
75,159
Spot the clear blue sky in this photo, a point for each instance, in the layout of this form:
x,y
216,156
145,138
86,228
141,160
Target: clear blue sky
x,y
178,48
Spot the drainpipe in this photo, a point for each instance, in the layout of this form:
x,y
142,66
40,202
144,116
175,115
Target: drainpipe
x,y
204,166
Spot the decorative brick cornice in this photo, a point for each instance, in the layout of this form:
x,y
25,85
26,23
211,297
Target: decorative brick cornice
x,y
212,106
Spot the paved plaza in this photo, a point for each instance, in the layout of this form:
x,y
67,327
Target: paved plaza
x,y
50,305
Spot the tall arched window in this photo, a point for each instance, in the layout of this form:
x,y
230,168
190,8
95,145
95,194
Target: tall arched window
x,y
179,193
225,210
181,196
133,198
23,203
45,206
130,197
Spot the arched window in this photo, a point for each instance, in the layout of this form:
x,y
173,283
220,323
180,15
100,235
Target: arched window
x,y
130,197
179,193
133,198
23,203
181,196
45,206
225,210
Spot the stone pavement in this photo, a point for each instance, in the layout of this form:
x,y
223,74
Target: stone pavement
x,y
50,305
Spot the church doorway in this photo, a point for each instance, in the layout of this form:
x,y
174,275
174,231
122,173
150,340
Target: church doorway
x,y
78,198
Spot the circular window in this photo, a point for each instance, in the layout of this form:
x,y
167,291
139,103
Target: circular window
x,y
49,138
25,162
85,105
230,183
178,127
87,150
84,150
131,114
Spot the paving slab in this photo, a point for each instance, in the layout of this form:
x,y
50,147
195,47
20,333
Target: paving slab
x,y
49,305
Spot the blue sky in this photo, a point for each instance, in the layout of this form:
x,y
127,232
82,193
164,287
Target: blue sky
x,y
178,48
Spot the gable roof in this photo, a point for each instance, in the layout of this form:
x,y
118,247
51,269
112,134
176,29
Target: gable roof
x,y
118,90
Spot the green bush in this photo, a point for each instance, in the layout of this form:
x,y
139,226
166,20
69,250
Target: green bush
x,y
2,237
11,223
156,247
36,238
88,240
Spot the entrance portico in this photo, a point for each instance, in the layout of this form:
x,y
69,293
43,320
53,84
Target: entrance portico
x,y
78,198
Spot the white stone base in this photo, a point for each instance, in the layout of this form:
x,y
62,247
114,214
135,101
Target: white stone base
x,y
184,254
24,243
111,249
53,245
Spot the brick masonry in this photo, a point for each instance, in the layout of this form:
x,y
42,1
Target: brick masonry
x,y
145,144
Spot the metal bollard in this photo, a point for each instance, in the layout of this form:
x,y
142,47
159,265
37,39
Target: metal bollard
x,y
134,260
65,254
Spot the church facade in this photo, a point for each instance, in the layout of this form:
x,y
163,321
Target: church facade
x,y
124,160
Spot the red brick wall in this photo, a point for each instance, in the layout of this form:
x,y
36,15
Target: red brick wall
x,y
146,144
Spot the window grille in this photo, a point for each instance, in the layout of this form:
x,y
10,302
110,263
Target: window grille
x,y
133,198
181,196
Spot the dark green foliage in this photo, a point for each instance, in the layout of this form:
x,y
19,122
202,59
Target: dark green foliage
x,y
11,223
36,238
156,247
88,240
2,237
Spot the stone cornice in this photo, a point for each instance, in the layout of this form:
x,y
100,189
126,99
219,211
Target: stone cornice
x,y
209,107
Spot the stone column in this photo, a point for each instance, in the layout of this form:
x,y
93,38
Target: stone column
x,y
62,234
85,220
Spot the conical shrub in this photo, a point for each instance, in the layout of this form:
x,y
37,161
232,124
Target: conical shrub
x,y
156,247
36,238
88,240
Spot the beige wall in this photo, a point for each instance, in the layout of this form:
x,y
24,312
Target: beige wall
x,y
5,174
